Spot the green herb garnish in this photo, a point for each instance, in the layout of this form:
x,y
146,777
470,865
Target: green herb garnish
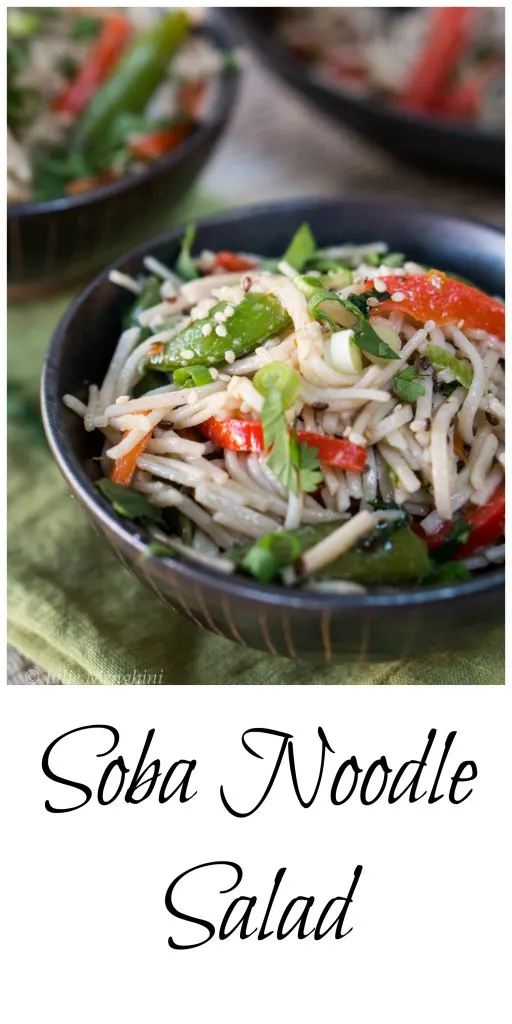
x,y
407,384
447,388
128,503
85,27
458,536
301,248
296,465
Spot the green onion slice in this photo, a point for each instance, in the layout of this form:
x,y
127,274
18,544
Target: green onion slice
x,y
192,376
441,359
278,377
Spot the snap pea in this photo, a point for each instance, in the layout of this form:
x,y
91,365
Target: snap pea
x,y
254,320
401,558
392,556
135,79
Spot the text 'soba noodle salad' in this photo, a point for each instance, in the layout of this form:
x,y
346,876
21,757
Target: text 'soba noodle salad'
x,y
439,61
334,419
96,94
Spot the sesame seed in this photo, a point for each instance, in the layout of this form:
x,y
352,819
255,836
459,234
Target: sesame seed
x,y
221,331
372,302
398,297
206,329
187,353
379,285
192,398
460,324
229,310
229,356
214,373
219,317
246,283
121,399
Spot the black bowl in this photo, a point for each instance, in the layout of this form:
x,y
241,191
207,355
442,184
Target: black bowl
x,y
53,244
433,143
315,626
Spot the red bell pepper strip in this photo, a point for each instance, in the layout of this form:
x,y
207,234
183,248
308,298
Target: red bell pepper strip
x,y
488,522
153,145
465,99
247,436
233,262
434,296
446,43
114,36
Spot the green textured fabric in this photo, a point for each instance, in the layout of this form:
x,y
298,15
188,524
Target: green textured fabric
x,y
75,610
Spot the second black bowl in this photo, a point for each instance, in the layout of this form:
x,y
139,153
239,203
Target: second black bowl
x,y
317,626
432,143
53,244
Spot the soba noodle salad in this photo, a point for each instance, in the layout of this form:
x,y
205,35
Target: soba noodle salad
x,y
94,94
434,61
333,419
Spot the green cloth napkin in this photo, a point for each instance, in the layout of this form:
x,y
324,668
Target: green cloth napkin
x,y
74,609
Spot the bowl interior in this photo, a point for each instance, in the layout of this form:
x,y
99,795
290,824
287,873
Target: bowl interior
x,y
83,344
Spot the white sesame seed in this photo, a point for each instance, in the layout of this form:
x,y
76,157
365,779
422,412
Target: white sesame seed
x,y
229,310
229,356
214,373
206,329
219,317
379,285
372,302
192,398
398,297
460,324
187,353
221,331
225,377
121,399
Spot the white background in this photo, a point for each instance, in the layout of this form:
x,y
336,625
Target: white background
x,y
88,928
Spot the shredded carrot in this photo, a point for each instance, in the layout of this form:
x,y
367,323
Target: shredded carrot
x,y
155,144
75,188
190,97
458,447
156,348
123,469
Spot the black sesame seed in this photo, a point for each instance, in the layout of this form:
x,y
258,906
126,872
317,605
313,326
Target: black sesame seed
x,y
246,284
460,465
428,423
492,419
424,363
320,406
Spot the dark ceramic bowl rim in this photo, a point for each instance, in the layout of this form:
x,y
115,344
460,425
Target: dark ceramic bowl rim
x,y
228,82
280,54
130,533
